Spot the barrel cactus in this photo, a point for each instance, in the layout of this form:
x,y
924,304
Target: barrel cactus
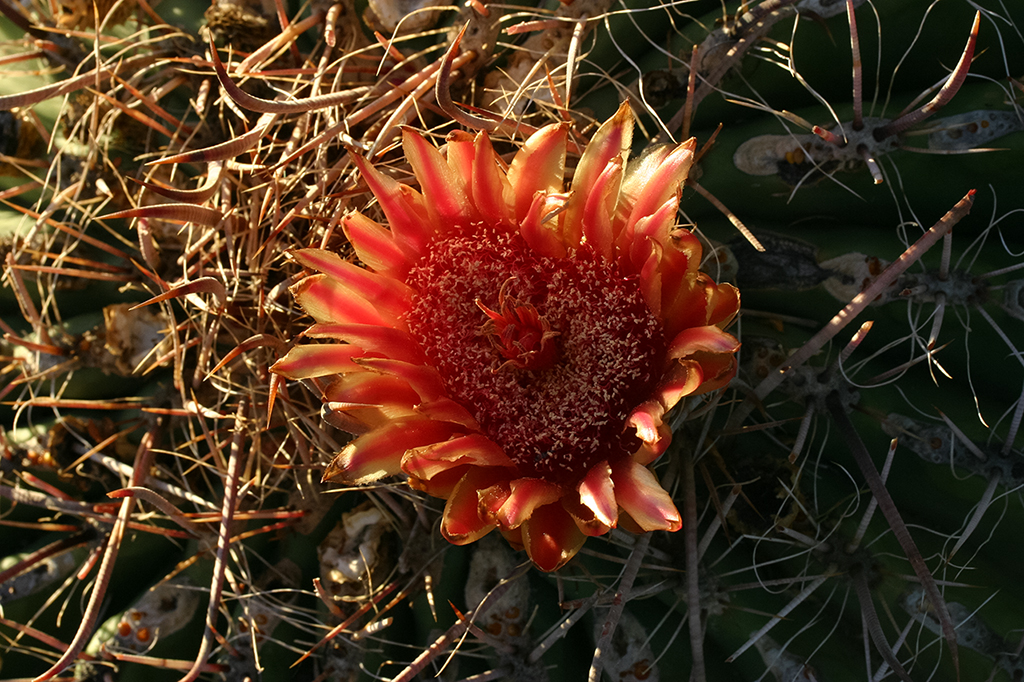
x,y
305,305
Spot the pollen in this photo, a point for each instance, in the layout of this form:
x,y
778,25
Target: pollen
x,y
598,348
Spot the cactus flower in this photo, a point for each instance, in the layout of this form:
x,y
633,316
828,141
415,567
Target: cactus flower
x,y
513,347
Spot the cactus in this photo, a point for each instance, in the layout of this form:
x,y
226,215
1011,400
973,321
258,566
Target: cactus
x,y
171,506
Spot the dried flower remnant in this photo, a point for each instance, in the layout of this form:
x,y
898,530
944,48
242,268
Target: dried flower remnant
x,y
83,14
512,347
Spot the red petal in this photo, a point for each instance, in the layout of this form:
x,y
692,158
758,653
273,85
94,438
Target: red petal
x,y
538,167
426,462
591,198
723,303
514,537
490,188
356,422
317,360
423,379
329,300
369,388
403,207
598,217
642,497
717,370
654,182
658,224
442,485
644,258
375,246
525,496
551,537
360,419
682,378
460,151
392,343
584,517
448,204
654,228
461,523
378,453
646,418
542,235
684,299
709,338
654,434
392,297
597,493
447,410
359,401
649,452
611,142
490,499
704,361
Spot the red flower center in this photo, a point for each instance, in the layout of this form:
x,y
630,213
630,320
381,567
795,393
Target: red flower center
x,y
520,334
550,355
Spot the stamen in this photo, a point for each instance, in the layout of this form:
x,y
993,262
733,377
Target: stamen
x,y
567,348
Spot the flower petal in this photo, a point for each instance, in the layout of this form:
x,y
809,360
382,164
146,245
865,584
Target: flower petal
x,y
317,360
423,379
460,151
329,300
514,537
683,299
642,497
598,224
538,167
608,147
490,187
359,419
650,452
392,297
597,493
404,208
490,499
448,204
461,522
443,484
378,453
644,258
723,303
447,410
653,433
584,517
392,343
653,229
710,339
524,497
551,537
356,422
705,361
682,378
428,461
658,224
359,401
375,245
656,179
611,142
541,234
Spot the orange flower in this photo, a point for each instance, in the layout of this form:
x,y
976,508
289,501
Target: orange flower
x,y
513,348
